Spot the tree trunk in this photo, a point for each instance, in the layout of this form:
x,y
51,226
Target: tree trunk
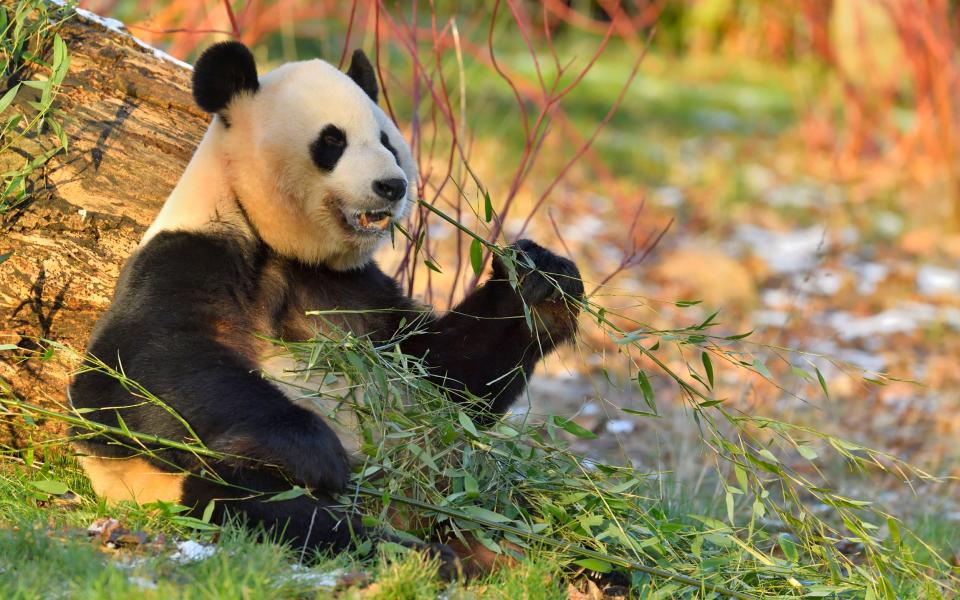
x,y
132,126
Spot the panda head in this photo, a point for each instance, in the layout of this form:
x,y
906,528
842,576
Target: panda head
x,y
317,167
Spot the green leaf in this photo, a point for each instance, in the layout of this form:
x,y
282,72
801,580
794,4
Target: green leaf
x,y
294,492
571,427
7,98
894,527
686,303
630,338
430,265
594,564
488,543
487,207
485,514
467,423
788,547
762,368
768,455
640,413
823,383
50,486
194,523
741,476
588,522
806,451
470,486
476,256
647,390
707,322
708,366
208,511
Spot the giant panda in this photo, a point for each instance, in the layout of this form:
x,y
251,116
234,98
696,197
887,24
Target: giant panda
x,y
293,187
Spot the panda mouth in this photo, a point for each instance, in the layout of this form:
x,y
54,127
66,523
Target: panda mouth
x,y
369,221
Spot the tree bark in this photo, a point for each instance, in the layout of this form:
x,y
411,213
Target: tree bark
x,y
132,127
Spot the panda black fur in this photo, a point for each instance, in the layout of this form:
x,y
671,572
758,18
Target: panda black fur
x,y
278,213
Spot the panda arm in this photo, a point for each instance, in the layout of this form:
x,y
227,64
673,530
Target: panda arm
x,y
161,331
485,344
229,406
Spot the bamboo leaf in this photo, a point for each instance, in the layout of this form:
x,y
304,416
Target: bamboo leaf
x,y
761,368
806,451
7,98
467,423
476,256
485,514
50,486
294,492
594,564
823,383
647,390
572,427
708,366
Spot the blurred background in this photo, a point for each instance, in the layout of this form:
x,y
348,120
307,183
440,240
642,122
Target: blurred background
x,y
792,164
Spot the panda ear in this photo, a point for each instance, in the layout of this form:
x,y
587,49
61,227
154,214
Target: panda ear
x,y
361,72
223,71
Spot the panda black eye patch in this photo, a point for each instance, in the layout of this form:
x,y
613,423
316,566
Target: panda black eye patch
x,y
327,149
386,144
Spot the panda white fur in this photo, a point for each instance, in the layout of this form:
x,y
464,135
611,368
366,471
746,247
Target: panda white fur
x,y
292,189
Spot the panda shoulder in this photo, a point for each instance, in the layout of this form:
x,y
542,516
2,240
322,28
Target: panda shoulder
x,y
186,254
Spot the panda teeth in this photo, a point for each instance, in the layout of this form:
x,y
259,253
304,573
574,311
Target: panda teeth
x,y
373,220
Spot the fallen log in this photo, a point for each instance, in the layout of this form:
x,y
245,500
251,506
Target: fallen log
x,y
131,126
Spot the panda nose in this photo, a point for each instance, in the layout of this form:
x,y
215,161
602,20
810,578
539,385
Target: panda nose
x,y
390,189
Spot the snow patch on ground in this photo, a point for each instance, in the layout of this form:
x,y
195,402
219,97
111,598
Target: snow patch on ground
x,y
142,582
620,426
770,318
305,576
905,318
823,282
190,551
933,281
786,252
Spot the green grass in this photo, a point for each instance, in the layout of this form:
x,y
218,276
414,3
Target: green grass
x,y
33,64
519,484
45,551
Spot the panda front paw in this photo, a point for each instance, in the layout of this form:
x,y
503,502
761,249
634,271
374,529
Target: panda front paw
x,y
320,461
301,445
541,275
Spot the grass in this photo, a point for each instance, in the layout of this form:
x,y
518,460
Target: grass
x,y
45,551
33,63
520,491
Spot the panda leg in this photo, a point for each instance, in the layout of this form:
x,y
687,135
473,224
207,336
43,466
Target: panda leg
x,y
305,523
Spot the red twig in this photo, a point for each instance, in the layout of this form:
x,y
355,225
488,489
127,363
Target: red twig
x,y
346,39
593,136
233,19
